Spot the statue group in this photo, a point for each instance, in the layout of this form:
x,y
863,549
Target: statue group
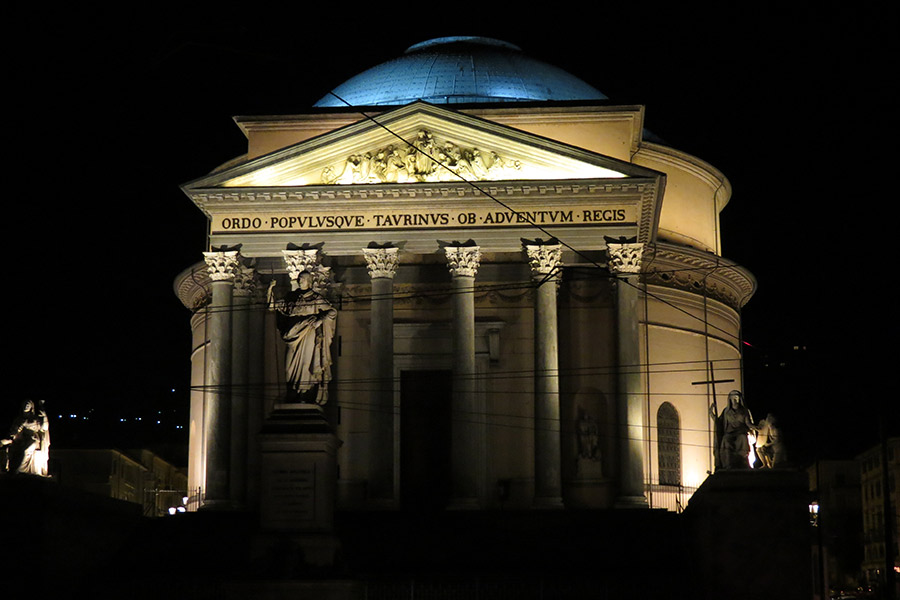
x,y
734,429
28,445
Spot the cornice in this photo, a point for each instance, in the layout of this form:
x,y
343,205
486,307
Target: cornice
x,y
192,286
695,271
303,122
509,189
707,173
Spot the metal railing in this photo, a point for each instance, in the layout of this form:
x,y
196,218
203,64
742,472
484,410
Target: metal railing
x,y
669,497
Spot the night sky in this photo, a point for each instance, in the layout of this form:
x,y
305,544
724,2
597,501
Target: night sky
x,y
107,121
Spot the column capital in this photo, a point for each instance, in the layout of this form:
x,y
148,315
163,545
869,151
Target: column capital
x,y
463,261
301,260
381,262
545,259
246,280
624,257
222,264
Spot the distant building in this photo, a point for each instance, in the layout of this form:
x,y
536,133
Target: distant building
x,y
873,496
138,476
837,541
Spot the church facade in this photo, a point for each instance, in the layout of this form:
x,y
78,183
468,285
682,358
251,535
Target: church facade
x,y
502,304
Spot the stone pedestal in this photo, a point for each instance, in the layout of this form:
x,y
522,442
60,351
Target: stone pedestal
x,y
298,482
750,535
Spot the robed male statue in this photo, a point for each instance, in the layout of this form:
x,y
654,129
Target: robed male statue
x,y
306,321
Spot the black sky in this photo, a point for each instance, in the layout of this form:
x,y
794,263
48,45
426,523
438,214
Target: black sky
x,y
109,116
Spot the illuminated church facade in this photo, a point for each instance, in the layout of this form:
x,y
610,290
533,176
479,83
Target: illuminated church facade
x,y
529,292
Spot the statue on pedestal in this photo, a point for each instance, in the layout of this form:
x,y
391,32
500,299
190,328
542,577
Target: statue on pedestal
x,y
732,426
768,443
306,320
28,446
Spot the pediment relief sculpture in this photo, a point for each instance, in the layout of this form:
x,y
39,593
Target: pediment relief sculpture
x,y
427,159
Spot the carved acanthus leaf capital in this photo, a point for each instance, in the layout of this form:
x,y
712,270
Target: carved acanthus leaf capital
x,y
545,259
625,258
381,262
300,261
463,261
222,265
246,280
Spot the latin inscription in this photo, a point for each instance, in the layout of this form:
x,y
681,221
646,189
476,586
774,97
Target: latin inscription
x,y
290,495
423,219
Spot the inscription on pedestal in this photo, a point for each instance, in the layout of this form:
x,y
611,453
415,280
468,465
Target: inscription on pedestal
x,y
293,494
289,500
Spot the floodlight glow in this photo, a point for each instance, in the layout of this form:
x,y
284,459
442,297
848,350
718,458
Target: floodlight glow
x,y
751,458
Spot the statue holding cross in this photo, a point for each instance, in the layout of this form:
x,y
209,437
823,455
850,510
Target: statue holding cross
x,y
731,446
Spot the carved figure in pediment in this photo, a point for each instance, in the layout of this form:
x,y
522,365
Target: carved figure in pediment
x,y
498,164
395,166
477,164
329,175
418,162
378,167
458,161
423,165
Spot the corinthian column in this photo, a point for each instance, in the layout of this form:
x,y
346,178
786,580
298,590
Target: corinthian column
x,y
625,264
463,263
382,264
245,282
217,382
545,263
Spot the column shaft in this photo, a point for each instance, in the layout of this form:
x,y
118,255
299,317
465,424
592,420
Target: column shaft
x,y
381,352
546,259
239,379
217,398
255,387
464,456
629,399
466,419
547,458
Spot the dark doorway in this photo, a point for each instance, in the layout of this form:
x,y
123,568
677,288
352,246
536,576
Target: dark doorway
x,y
425,439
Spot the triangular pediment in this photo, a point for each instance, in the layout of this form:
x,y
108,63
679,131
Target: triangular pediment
x,y
419,143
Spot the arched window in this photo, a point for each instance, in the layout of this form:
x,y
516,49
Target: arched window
x,y
668,439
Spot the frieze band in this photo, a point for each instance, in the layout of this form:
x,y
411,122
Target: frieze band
x,y
424,218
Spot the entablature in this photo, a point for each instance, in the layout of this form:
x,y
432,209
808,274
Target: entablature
x,y
697,272
496,214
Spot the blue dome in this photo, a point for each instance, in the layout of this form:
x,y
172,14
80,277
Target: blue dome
x,y
453,70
